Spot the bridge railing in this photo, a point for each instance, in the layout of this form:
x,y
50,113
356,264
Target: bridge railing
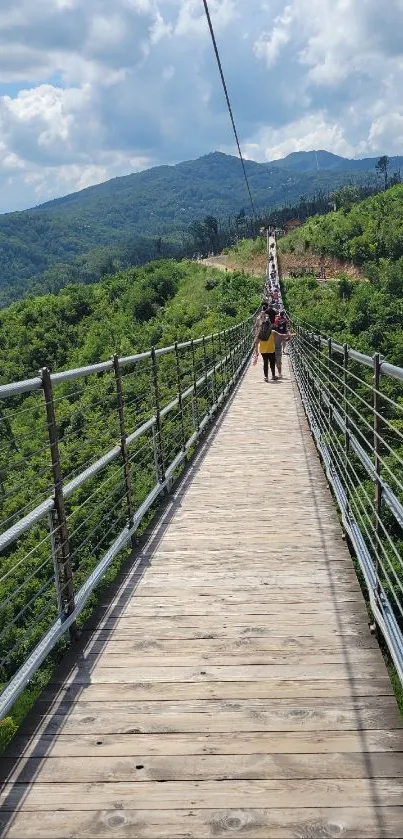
x,y
84,458
354,404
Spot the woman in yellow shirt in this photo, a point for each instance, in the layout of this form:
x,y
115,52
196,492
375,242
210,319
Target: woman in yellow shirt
x,y
267,347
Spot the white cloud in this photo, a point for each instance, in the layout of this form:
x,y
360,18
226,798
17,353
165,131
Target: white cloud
x,y
383,128
45,117
159,29
90,90
192,20
168,73
269,44
311,132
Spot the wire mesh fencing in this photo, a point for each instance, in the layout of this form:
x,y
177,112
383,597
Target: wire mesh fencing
x,y
354,404
85,457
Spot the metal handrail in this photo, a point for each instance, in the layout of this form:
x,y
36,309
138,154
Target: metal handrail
x,y
192,395
386,369
364,469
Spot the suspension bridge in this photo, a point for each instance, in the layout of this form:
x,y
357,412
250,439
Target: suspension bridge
x,y
230,681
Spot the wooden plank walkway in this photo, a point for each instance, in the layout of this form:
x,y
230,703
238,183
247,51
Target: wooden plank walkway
x,y
232,688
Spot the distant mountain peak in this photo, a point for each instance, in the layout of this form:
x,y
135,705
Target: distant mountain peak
x,y
310,161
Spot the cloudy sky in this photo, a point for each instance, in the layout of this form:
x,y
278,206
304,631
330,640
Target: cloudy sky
x,y
91,89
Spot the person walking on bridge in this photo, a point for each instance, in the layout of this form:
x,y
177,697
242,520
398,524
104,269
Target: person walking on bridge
x,y
260,318
265,344
281,324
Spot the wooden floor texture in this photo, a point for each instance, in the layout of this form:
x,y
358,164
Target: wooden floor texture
x,y
232,688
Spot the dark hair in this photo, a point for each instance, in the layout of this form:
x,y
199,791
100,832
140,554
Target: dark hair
x,y
272,314
265,306
282,313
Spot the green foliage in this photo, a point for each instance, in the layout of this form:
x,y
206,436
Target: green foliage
x,y
366,315
382,167
153,214
363,233
246,250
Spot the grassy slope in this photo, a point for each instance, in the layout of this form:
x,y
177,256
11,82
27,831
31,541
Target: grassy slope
x,y
369,315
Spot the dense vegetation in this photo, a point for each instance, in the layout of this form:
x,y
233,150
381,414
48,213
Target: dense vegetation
x,y
124,313
130,311
368,315
130,220
363,233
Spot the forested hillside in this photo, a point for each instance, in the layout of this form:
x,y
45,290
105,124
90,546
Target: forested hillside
x,y
369,314
365,232
157,304
143,216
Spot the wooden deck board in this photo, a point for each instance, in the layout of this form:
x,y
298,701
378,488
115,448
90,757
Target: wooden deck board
x,y
235,665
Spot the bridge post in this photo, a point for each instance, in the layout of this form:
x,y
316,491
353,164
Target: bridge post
x,y
221,366
194,399
237,350
64,580
300,359
329,369
232,355
224,357
180,400
205,375
158,445
318,345
215,391
377,463
228,355
346,422
123,445
244,339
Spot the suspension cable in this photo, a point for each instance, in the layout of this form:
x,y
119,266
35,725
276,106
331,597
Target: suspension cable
x,y
217,55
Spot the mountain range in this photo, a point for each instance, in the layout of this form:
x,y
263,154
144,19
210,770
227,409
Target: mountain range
x,y
132,213
317,161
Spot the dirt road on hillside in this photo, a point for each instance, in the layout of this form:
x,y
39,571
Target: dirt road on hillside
x,y
223,264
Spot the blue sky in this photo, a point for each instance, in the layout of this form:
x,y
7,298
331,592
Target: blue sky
x,y
90,90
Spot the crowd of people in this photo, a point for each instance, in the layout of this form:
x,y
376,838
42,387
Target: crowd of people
x,y
271,331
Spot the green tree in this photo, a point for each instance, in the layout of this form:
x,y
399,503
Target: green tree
x,y
382,167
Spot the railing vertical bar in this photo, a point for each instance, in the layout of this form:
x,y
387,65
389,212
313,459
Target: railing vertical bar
x,y
55,557
215,390
180,400
329,385
65,581
346,421
155,453
195,402
225,358
123,445
158,435
377,463
206,381
232,356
